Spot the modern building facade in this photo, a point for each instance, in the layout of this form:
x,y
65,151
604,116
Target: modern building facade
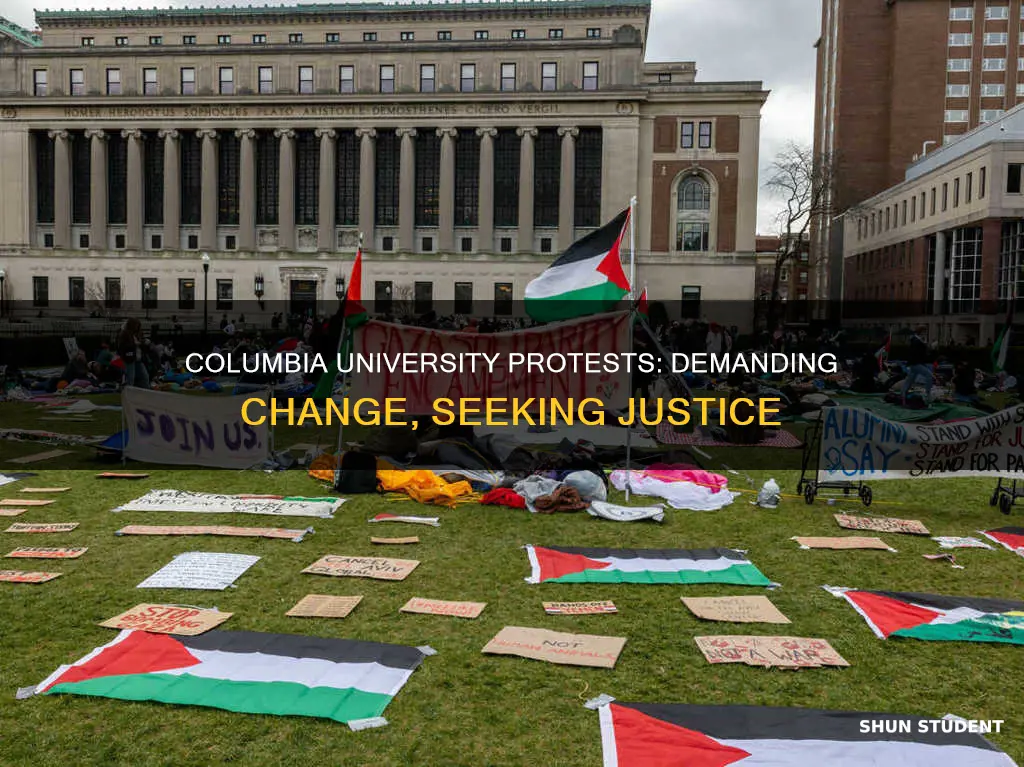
x,y
466,143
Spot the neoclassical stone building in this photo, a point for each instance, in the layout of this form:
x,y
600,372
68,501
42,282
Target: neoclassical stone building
x,y
467,142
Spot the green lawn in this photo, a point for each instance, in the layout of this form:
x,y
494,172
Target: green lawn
x,y
461,707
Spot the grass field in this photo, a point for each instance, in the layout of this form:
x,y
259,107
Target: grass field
x,y
461,707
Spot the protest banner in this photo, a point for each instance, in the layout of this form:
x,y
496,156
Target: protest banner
x,y
396,541
212,503
167,619
239,532
881,524
735,609
44,489
843,543
580,608
766,651
443,607
9,512
41,527
32,552
377,568
858,445
557,647
601,334
960,542
44,456
324,606
200,570
183,430
24,576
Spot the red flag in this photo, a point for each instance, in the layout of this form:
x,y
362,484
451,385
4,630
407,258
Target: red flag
x,y
354,309
641,304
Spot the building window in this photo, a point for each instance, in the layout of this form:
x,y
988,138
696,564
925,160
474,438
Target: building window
x,y
506,180
369,37
969,187
346,79
444,35
466,245
83,241
945,198
407,37
518,34
593,32
307,178
388,148
931,207
965,270
993,65
961,13
549,76
191,186
956,115
467,181
993,89
223,39
40,291
81,175
186,293
188,81
686,135
467,78
346,207
693,215
503,298
505,245
113,82
956,193
120,42
508,77
690,305
45,181
590,75
481,34
77,82
227,81
382,291
387,244
589,156
88,42
265,76
1013,178
997,12
153,180
958,65
39,77
427,245
555,34
954,91
903,214
547,153
112,292
387,78
332,37
76,292
150,292
463,298
996,38
959,39
259,39
188,39
1020,89
268,154
1011,262
228,161
664,77
913,209
305,79
704,136
149,83
295,37
982,181
117,179
427,178
225,294
428,81
988,115
423,296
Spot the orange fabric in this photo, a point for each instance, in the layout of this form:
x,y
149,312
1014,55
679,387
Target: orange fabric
x,y
423,486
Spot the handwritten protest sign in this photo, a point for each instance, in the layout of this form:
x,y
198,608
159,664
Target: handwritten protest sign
x,y
396,541
41,527
24,502
212,503
958,542
24,576
442,607
44,489
9,512
44,456
238,532
765,651
557,647
324,606
580,608
378,568
601,334
31,552
843,543
168,619
881,524
182,430
857,444
200,570
757,609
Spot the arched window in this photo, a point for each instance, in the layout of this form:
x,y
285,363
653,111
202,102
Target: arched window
x,y
693,215
694,194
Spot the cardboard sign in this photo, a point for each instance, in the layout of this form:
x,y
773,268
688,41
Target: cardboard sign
x,y
120,475
29,552
239,532
44,489
580,608
557,647
378,568
432,521
757,609
24,502
45,456
8,512
882,524
41,527
167,619
324,606
764,651
442,607
200,570
24,576
212,503
395,541
839,544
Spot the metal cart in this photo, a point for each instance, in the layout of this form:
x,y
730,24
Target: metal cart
x,y
1006,495
810,464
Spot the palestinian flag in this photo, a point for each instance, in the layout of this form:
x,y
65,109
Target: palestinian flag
x,y
1010,537
938,618
670,735
244,671
355,312
586,279
642,307
557,564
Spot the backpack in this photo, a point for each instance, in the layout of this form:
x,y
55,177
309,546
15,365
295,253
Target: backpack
x,y
357,475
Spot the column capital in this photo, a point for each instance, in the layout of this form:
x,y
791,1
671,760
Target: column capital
x,y
205,133
449,132
366,132
524,132
61,134
98,133
288,133
328,132
403,132
249,133
171,133
492,132
569,130
132,133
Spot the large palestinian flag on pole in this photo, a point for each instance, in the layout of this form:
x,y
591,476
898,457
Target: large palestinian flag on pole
x,y
559,564
938,618
1011,538
244,671
586,279
668,735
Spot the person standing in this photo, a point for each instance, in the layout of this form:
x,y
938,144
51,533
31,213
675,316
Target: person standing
x,y
919,366
129,348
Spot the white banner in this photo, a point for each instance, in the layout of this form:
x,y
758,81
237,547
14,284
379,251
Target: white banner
x,y
192,430
211,503
857,444
200,570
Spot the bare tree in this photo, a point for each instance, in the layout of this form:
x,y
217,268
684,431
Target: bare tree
x,y
402,301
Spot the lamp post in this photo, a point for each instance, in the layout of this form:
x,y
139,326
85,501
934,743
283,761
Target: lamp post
x,y
258,289
339,286
3,276
206,295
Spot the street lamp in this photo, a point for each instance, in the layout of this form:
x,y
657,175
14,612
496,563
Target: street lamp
x,y
258,289
339,287
3,276
206,295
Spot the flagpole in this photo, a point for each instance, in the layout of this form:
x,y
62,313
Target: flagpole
x,y
341,336
632,309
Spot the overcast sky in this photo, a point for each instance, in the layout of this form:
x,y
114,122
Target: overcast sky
x,y
768,40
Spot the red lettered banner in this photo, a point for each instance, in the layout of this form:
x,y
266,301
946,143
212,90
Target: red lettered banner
x,y
600,336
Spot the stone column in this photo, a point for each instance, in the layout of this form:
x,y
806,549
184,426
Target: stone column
x,y
133,139
325,241
98,190
526,189
246,189
172,189
485,198
210,185
61,188
939,278
567,189
286,191
407,191
446,191
367,182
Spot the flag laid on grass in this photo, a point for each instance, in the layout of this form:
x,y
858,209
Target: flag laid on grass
x,y
672,735
938,618
586,279
558,564
1011,538
244,671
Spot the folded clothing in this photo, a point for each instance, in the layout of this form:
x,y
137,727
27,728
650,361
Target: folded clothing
x,y
565,498
502,496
